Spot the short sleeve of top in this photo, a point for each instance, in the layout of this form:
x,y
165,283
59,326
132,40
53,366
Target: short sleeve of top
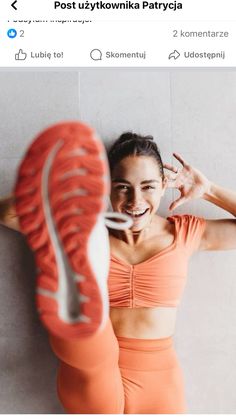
x,y
189,231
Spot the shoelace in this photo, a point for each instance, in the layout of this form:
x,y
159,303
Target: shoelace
x,y
127,221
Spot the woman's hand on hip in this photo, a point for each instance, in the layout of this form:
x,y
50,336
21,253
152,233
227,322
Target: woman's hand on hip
x,y
189,181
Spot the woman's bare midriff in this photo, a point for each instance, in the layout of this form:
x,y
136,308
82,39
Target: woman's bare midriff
x,y
143,322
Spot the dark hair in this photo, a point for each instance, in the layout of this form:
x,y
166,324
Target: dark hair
x,y
131,144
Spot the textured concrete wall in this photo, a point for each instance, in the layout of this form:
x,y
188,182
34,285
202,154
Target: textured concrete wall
x,y
188,111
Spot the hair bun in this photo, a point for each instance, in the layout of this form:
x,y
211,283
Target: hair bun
x,y
126,136
130,136
132,144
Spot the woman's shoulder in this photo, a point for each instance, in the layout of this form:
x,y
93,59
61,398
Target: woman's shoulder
x,y
184,218
189,228
186,222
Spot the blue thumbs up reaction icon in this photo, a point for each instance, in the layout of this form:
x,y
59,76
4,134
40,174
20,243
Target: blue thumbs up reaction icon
x,y
11,33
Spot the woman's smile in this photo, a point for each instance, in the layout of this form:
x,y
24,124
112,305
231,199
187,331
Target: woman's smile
x,y
137,215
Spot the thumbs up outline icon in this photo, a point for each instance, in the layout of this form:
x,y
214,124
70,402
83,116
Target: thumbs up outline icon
x,y
20,55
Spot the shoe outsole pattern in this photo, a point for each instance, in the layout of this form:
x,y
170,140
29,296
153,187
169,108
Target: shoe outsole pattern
x,y
61,190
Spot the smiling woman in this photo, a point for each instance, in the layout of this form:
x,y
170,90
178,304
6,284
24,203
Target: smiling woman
x,y
149,261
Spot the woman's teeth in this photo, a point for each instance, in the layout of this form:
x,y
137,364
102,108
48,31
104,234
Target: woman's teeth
x,y
136,213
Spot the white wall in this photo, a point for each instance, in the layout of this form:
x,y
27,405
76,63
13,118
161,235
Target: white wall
x,y
188,111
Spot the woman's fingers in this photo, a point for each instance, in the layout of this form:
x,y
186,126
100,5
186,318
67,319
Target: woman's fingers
x,y
171,180
171,176
180,159
171,184
181,200
171,167
174,168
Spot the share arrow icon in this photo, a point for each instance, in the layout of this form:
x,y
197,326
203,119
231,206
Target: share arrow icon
x,y
175,54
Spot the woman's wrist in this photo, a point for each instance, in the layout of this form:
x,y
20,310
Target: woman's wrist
x,y
209,191
221,197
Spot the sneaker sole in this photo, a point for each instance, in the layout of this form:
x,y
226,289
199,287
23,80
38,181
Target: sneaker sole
x,y
61,190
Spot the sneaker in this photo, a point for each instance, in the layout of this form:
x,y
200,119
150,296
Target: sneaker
x,y
62,191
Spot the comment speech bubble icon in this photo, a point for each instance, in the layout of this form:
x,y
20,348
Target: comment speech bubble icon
x,y
96,54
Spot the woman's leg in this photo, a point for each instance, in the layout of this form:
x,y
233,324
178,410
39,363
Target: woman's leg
x,y
152,378
89,379
61,193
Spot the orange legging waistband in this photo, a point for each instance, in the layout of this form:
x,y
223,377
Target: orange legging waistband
x,y
145,344
147,354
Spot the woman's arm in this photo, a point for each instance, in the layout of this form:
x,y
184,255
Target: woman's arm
x,y
8,215
223,198
192,184
220,234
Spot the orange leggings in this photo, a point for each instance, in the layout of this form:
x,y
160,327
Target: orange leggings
x,y
106,374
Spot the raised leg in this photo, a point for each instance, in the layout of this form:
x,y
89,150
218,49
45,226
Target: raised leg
x,y
61,194
89,379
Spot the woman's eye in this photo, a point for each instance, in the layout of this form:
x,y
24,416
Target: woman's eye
x,y
122,187
148,187
125,188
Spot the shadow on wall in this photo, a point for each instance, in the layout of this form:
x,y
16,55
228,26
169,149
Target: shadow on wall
x,y
28,366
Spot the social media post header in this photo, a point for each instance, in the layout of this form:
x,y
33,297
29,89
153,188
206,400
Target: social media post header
x,y
121,10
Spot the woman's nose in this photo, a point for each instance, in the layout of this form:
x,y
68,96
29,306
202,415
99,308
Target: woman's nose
x,y
135,197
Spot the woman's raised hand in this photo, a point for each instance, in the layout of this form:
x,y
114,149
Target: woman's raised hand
x,y
189,181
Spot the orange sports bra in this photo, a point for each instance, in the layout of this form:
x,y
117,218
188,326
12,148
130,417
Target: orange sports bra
x,y
159,281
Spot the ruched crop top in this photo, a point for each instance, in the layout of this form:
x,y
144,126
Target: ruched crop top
x,y
159,281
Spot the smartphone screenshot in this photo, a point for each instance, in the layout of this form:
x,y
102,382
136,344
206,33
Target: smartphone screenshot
x,y
117,207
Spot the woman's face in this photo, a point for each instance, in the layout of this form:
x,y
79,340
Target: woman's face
x,y
137,188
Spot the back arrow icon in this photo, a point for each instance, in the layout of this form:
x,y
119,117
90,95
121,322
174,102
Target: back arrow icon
x,y
13,4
